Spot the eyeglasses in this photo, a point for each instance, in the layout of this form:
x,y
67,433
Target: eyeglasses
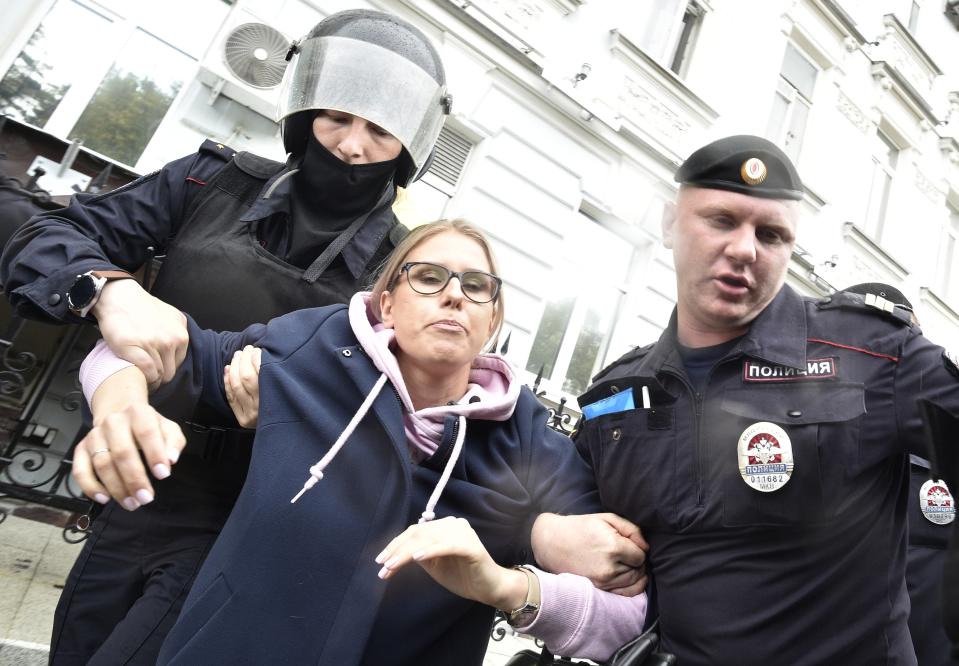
x,y
426,278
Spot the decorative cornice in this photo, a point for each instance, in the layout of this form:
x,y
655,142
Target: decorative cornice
x,y
890,78
853,113
655,104
931,298
866,245
927,187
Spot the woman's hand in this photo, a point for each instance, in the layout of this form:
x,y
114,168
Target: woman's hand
x,y
241,379
107,462
452,554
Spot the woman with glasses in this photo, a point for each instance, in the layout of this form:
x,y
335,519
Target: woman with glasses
x,y
372,417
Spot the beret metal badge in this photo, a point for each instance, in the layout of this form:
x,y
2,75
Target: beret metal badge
x,y
753,171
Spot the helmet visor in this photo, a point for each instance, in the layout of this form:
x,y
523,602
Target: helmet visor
x,y
369,81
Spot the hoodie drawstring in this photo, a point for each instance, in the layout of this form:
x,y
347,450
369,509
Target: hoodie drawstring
x,y
316,471
428,514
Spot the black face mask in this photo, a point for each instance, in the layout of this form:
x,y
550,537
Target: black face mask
x,y
327,195
332,191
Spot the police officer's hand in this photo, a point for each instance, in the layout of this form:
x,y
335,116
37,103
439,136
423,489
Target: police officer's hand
x,y
241,379
108,462
604,547
142,329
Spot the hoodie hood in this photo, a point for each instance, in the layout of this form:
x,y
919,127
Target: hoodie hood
x,y
491,394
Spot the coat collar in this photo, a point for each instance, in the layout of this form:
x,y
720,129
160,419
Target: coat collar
x,y
777,335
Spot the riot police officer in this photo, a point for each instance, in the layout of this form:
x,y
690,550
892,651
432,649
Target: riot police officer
x,y
762,442
246,239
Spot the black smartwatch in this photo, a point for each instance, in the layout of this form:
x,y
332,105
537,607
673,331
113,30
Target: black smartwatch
x,y
85,292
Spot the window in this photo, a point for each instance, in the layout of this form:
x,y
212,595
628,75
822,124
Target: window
x,y
793,99
668,31
108,79
885,156
573,334
948,264
914,16
429,195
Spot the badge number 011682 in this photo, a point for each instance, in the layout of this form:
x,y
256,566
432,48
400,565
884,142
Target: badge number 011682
x,y
765,457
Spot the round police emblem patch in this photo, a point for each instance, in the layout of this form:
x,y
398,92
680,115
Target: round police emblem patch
x,y
937,503
765,457
753,171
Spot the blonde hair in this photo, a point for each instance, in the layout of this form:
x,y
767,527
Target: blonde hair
x,y
390,271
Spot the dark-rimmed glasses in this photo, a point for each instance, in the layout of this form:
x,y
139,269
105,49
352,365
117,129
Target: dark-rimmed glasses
x,y
426,278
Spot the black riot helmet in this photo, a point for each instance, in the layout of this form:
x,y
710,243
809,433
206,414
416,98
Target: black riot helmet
x,y
375,66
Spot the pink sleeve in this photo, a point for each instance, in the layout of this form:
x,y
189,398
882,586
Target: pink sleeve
x,y
577,620
99,364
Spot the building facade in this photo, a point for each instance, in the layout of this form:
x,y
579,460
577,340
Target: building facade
x,y
569,118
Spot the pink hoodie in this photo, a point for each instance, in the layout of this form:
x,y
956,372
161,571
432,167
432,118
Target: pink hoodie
x,y
575,618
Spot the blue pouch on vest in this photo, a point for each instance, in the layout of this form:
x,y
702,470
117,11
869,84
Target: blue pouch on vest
x,y
618,402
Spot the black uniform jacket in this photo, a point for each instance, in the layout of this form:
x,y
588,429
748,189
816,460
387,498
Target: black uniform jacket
x,y
114,231
811,573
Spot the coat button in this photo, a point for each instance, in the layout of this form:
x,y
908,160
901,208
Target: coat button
x,y
54,299
347,353
617,433
614,389
794,413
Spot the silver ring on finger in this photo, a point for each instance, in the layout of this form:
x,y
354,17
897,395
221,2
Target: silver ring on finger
x,y
98,452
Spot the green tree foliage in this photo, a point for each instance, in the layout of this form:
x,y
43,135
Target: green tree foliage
x,y
24,94
123,115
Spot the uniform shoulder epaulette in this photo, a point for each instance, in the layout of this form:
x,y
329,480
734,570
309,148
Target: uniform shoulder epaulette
x,y
211,147
870,303
398,233
631,355
256,166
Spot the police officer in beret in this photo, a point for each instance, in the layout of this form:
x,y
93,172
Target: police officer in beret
x,y
763,441
932,512
246,239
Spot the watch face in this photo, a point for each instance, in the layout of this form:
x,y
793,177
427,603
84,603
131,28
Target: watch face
x,y
82,292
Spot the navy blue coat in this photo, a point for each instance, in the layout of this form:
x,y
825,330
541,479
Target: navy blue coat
x,y
297,584
811,573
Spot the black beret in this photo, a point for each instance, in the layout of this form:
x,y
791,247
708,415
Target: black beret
x,y
745,164
885,291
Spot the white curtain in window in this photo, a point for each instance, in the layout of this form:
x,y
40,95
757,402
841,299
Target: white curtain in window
x,y
657,25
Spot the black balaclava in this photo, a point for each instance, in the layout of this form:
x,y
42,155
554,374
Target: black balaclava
x,y
327,195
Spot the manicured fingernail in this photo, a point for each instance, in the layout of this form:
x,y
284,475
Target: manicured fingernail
x,y
101,498
161,471
144,496
384,572
130,504
173,455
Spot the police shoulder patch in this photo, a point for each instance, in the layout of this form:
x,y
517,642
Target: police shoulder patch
x,y
211,147
631,355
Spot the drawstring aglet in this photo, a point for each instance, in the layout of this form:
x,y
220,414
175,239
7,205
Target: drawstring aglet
x,y
316,476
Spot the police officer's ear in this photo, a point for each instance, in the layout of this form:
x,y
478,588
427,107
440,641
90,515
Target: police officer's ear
x,y
669,222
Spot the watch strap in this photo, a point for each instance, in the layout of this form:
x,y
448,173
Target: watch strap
x,y
520,616
112,275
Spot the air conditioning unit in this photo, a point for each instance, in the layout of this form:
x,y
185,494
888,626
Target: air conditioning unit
x,y
952,12
246,61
